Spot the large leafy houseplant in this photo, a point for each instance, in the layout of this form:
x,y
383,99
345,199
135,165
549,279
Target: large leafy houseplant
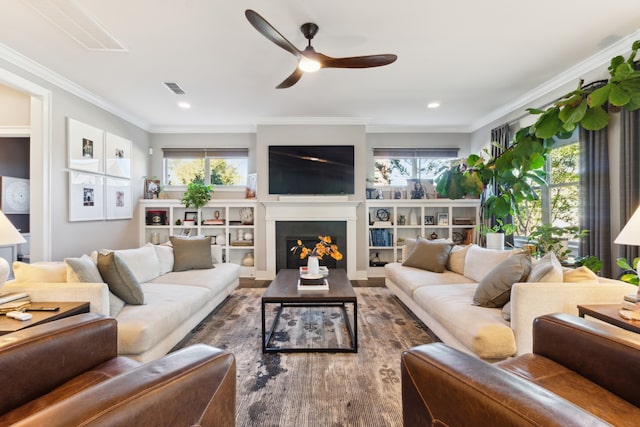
x,y
519,169
198,193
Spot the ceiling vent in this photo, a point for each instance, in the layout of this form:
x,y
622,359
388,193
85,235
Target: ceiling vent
x,y
175,88
75,21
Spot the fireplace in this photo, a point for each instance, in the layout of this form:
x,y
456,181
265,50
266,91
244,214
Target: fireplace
x,y
289,232
323,213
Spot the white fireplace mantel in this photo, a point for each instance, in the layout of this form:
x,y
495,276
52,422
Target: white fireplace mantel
x,y
321,208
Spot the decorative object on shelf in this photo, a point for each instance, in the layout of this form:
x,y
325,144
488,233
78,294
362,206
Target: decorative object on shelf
x,y
443,218
397,193
252,186
189,223
320,249
383,215
248,236
178,221
434,235
221,239
198,193
429,220
246,216
191,216
457,238
413,217
9,235
402,220
152,187
247,261
155,238
240,234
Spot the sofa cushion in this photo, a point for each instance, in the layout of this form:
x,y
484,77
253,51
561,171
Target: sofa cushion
x,y
143,262
40,272
580,274
120,279
546,269
480,329
479,261
213,278
495,287
428,255
165,257
456,258
82,269
408,279
191,254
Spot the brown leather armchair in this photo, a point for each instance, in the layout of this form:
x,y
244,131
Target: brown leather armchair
x,y
581,373
68,373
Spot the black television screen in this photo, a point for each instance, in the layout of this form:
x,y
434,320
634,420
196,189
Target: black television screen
x,y
311,169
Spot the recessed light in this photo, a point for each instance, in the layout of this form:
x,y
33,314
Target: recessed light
x,y
433,105
184,105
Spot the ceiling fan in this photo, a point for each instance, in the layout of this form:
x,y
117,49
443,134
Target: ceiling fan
x,y
308,59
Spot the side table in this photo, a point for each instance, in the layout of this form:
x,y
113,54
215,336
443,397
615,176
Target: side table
x,y
609,313
66,309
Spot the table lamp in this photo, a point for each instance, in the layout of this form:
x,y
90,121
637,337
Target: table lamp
x,y
630,235
9,235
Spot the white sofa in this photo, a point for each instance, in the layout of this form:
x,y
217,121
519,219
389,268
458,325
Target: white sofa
x,y
445,301
174,302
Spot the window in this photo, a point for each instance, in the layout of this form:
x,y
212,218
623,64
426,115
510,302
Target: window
x,y
394,166
226,167
558,202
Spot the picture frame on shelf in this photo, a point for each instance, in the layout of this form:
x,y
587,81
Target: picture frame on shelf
x,y
118,156
186,232
191,216
118,198
443,218
429,220
151,188
421,189
86,197
85,147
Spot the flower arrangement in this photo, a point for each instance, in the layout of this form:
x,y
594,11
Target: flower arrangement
x,y
322,248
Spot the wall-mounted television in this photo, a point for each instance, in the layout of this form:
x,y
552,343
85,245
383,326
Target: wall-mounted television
x,y
311,169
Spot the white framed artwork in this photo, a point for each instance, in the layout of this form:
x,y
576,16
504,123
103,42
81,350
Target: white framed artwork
x,y
118,198
118,156
85,147
86,196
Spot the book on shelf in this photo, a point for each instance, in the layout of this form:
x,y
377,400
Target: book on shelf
x,y
382,224
12,296
313,285
380,237
213,222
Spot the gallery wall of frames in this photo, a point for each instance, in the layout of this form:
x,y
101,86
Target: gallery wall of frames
x,y
99,174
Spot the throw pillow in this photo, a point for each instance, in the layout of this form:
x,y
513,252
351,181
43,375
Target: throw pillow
x,y
546,269
456,258
580,274
494,290
143,262
40,272
115,304
191,254
479,261
82,269
506,311
165,256
120,279
428,255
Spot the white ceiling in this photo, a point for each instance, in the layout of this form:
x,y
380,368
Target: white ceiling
x,y
475,57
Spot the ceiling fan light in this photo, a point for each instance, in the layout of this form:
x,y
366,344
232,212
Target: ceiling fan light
x,y
308,65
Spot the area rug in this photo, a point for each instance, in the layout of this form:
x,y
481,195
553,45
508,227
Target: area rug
x,y
315,389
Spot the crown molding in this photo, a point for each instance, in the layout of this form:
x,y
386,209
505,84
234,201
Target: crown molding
x,y
336,121
30,66
571,75
204,129
15,131
417,129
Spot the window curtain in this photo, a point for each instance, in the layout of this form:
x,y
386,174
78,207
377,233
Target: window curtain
x,y
594,197
501,140
629,177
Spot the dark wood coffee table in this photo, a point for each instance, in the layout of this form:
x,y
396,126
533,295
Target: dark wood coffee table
x,y
65,309
284,291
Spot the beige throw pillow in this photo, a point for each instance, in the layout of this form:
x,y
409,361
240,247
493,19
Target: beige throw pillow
x,y
120,279
479,261
456,258
546,269
580,274
427,255
40,272
494,290
82,269
191,254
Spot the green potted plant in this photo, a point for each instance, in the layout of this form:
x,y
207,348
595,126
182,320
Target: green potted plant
x,y
630,273
519,169
198,193
549,238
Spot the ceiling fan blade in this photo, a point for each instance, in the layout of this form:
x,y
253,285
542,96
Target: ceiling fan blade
x,y
358,61
292,79
267,30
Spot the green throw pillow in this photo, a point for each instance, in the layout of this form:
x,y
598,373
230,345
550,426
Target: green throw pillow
x,y
428,255
120,278
191,254
494,290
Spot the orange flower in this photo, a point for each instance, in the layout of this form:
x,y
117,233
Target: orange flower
x,y
320,249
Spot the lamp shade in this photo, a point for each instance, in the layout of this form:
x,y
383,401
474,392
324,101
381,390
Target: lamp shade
x,y
630,234
9,235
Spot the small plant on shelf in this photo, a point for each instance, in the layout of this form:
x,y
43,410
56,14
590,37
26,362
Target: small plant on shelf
x,y
198,193
321,248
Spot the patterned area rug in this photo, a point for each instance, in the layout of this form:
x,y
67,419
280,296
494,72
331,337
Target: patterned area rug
x,y
315,389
